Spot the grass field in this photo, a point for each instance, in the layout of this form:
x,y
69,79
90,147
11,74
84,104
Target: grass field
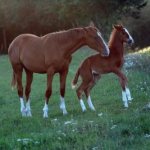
x,y
111,127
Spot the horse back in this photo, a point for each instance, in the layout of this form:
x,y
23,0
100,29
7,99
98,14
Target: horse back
x,y
20,42
26,49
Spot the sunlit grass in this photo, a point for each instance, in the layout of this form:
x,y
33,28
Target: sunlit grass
x,y
145,50
111,127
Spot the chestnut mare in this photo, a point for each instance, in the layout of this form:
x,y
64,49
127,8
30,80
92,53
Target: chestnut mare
x,y
92,67
49,54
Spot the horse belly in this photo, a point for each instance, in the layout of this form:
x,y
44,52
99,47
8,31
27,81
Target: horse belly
x,y
35,67
101,67
34,64
33,61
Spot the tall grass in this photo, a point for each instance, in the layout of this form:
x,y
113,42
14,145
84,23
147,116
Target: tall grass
x,y
111,127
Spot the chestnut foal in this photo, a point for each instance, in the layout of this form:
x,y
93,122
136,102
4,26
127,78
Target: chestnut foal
x,y
49,54
91,68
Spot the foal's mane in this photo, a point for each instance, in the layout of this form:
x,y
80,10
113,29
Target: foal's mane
x,y
115,45
112,37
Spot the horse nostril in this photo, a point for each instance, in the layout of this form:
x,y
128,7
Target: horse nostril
x,y
130,41
105,53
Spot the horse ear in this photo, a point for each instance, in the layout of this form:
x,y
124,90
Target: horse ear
x,y
115,26
85,29
92,24
118,27
121,25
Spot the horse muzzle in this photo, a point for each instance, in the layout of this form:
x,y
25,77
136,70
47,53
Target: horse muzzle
x,y
105,52
130,41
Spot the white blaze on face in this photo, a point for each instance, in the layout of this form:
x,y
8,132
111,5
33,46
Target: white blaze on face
x,y
130,37
106,47
99,34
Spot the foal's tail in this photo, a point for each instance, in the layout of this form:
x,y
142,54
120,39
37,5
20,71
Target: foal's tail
x,y
75,80
14,81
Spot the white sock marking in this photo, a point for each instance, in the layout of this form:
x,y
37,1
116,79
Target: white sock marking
x,y
128,94
45,110
22,107
89,101
82,105
124,99
28,108
62,105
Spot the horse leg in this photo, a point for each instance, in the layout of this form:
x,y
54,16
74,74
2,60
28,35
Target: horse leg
x,y
63,76
126,95
80,90
96,77
18,73
89,100
29,78
48,92
87,93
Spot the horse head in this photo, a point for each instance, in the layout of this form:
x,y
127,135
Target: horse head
x,y
94,40
124,34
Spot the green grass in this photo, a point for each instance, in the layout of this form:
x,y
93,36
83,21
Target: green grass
x,y
111,127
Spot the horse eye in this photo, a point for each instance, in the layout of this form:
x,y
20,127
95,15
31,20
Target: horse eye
x,y
123,33
96,37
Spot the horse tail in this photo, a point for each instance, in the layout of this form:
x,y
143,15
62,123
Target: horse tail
x,y
14,81
75,80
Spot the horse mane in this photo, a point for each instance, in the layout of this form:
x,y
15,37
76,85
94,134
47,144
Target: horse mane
x,y
112,38
114,45
65,34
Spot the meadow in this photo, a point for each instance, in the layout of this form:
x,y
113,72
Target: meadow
x,y
110,127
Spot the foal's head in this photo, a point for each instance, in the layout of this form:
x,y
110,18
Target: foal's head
x,y
124,34
95,40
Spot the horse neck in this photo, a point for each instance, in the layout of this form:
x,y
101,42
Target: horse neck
x,y
70,40
116,45
77,40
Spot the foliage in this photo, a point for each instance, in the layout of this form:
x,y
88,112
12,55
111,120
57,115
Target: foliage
x,y
140,27
40,17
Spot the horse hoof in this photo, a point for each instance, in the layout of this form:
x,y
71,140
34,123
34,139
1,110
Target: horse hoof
x,y
126,106
130,100
23,112
65,113
84,110
45,115
93,109
29,114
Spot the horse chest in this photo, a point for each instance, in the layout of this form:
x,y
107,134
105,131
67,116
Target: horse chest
x,y
119,63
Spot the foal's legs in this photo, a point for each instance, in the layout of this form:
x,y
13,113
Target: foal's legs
x,y
96,77
48,92
126,96
87,78
18,74
63,76
89,101
79,91
29,78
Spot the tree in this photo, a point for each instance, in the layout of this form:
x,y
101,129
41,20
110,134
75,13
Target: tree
x,y
40,17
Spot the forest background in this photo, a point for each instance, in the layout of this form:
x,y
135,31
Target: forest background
x,y
41,17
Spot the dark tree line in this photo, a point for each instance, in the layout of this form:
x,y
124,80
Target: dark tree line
x,y
40,17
